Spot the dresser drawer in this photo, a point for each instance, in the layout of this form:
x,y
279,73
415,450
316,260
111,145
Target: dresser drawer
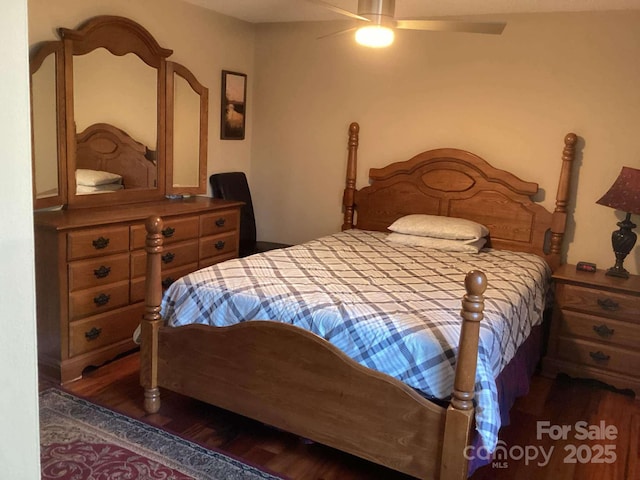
x,y
599,329
83,303
599,355
600,302
218,245
174,255
102,330
219,222
100,271
97,241
168,277
173,230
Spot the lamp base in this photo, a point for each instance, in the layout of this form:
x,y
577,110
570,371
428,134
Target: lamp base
x,y
622,241
617,272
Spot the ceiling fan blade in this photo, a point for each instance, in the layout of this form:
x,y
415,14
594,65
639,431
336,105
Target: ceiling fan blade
x,y
339,10
494,28
339,32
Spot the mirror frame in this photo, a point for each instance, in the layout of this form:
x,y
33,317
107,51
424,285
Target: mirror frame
x,y
38,56
119,36
200,90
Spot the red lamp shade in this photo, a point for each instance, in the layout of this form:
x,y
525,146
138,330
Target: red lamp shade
x,y
623,195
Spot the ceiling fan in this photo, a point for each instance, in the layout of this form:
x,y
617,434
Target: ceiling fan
x,y
377,22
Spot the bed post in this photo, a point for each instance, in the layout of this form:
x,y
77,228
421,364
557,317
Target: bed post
x,y
460,414
559,219
348,199
151,322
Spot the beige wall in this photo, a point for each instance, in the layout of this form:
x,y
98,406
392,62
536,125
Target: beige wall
x,y
19,451
510,99
203,41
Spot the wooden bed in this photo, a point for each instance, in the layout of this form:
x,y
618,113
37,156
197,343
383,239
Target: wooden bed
x,y
104,147
294,380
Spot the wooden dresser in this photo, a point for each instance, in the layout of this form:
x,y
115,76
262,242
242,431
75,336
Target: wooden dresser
x,y
90,272
595,330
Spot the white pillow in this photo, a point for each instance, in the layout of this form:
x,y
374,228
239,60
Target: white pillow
x,y
443,244
91,178
109,187
439,227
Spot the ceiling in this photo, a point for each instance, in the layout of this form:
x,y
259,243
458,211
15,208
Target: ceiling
x,y
266,11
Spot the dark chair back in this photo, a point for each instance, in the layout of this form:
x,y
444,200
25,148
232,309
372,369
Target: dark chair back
x,y
234,186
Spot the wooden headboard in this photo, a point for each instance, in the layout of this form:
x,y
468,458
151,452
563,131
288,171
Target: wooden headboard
x,y
456,183
104,147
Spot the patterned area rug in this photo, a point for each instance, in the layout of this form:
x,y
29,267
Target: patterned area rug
x,y
83,441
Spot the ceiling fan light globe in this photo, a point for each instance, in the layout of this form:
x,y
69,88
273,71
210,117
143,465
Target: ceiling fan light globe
x,y
374,36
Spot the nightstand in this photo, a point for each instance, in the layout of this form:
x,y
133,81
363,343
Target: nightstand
x,y
595,329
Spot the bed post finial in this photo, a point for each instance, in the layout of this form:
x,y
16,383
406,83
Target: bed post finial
x,y
151,321
348,199
460,413
559,220
472,307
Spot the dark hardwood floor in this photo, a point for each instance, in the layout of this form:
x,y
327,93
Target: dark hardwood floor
x,y
559,402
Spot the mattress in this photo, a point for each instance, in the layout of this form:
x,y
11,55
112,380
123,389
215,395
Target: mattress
x,y
390,307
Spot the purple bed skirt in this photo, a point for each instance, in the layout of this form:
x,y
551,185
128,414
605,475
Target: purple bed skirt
x,y
513,382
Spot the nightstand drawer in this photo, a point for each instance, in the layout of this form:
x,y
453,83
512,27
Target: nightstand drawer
x,y
600,302
599,329
599,355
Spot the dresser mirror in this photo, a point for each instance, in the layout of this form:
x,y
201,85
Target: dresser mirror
x,y
129,125
47,124
187,118
117,90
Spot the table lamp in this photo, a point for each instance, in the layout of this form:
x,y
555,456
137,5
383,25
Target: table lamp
x,y
623,195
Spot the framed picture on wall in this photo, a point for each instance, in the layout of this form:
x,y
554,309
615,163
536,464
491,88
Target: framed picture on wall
x,y
233,106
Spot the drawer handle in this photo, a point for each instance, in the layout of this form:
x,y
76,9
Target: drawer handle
x,y
220,222
93,333
102,272
168,257
603,330
168,232
100,243
608,304
599,356
220,244
101,299
166,283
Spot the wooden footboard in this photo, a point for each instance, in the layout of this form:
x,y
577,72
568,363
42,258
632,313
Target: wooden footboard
x,y
292,379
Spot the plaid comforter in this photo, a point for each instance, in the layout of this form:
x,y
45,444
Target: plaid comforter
x,y
391,307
